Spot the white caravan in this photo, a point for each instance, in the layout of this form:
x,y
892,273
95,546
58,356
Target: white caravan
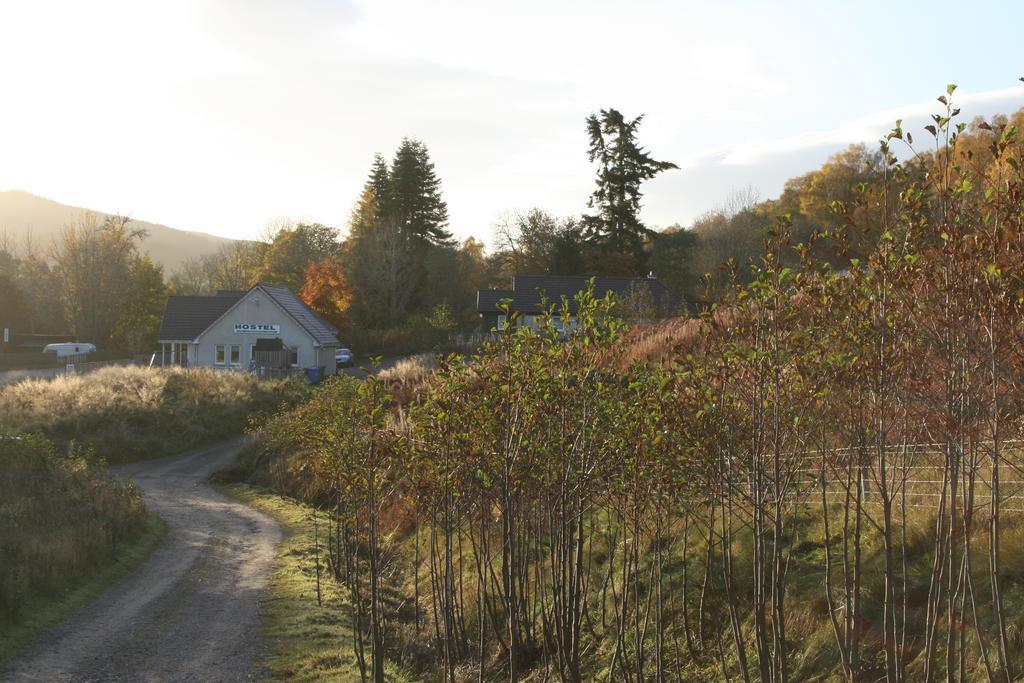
x,y
68,349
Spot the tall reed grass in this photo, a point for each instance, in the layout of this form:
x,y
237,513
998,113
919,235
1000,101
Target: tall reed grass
x,y
130,413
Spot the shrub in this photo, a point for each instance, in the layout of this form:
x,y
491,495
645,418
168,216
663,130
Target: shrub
x,y
819,479
128,413
61,517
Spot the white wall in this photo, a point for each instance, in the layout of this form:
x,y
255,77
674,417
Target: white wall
x,y
255,307
533,322
327,360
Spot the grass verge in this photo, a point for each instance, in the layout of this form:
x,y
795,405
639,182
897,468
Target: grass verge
x,y
308,642
45,613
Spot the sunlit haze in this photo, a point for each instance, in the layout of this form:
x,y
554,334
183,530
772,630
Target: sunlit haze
x,y
222,116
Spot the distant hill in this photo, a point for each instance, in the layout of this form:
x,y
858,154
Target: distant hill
x,y
23,214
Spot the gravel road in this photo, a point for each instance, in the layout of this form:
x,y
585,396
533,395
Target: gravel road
x,y
191,612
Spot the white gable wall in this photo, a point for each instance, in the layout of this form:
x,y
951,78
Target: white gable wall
x,y
257,308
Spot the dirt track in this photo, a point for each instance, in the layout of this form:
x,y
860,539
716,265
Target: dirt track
x,y
191,611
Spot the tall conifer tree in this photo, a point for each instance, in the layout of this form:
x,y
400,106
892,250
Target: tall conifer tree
x,y
373,201
379,183
414,200
622,166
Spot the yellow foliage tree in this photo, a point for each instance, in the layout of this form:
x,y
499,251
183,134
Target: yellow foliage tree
x,y
326,291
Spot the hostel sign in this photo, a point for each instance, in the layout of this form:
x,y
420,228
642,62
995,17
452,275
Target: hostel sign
x,y
261,328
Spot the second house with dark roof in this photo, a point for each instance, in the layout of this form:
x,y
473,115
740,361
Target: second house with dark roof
x,y
266,328
529,292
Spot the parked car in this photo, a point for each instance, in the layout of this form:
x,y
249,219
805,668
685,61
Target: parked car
x,y
66,349
344,358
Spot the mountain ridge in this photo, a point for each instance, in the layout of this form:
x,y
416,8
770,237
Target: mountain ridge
x,y
24,216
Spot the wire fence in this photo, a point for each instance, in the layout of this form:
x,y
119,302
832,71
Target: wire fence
x,y
912,475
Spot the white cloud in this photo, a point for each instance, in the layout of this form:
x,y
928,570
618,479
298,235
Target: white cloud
x,y
219,114
864,129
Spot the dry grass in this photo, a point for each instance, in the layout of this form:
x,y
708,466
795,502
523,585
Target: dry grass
x,y
659,342
129,413
410,370
408,376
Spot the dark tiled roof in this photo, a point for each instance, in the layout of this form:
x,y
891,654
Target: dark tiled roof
x,y
318,328
487,300
526,291
185,317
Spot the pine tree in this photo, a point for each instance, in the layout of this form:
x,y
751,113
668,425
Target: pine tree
x,y
414,199
379,183
622,166
372,202
398,222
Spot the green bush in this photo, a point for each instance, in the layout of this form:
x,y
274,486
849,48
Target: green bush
x,y
420,333
61,518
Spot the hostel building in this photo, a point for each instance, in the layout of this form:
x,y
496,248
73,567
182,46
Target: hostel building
x,y
266,327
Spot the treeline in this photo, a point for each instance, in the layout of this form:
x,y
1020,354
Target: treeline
x,y
820,478
736,232
94,282
399,282
396,281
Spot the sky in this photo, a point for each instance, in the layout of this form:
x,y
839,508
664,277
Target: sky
x,y
226,115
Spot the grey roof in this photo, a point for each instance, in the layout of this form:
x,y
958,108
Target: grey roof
x,y
526,291
185,317
487,300
322,331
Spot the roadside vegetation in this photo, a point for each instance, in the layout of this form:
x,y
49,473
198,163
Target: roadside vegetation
x,y
130,413
66,530
819,479
305,618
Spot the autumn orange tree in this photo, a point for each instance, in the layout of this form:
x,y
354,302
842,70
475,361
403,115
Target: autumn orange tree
x,y
326,291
